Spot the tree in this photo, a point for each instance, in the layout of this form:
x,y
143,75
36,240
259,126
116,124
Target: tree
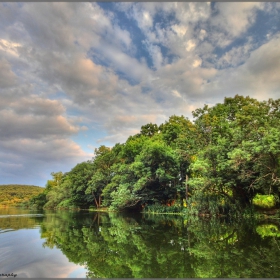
x,y
103,161
174,128
239,155
149,129
156,168
80,175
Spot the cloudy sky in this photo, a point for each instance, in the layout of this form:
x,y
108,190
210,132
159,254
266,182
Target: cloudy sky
x,y
74,76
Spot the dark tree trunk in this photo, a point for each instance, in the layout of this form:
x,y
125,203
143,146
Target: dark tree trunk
x,y
96,203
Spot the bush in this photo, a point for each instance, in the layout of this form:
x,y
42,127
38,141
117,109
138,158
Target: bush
x,y
158,208
67,203
264,201
268,230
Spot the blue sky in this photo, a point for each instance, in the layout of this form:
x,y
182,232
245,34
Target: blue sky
x,y
74,76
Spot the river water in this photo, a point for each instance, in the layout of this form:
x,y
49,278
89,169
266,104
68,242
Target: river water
x,y
65,244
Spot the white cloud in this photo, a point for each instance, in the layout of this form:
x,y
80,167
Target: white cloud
x,y
256,77
232,20
9,47
239,17
236,56
123,36
191,12
190,45
176,93
156,55
202,34
179,29
143,14
196,63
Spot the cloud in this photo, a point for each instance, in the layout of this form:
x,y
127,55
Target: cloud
x,y
117,138
179,29
192,12
121,62
9,47
37,106
45,150
70,67
232,20
34,133
236,56
260,72
235,18
156,55
256,77
142,13
34,118
176,93
33,127
7,76
26,160
143,18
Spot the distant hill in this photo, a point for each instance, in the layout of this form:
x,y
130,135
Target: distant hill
x,y
12,195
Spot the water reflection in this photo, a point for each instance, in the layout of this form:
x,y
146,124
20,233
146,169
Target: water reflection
x,y
12,218
115,245
135,246
22,252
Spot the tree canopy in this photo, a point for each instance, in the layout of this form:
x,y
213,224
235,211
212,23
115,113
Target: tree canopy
x,y
219,161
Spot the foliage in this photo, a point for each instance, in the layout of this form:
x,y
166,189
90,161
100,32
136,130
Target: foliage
x,y
158,208
267,230
215,164
18,194
240,152
264,201
158,246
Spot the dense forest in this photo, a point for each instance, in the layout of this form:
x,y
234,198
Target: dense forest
x,y
223,161
18,194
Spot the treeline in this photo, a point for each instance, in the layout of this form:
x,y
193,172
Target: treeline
x,y
17,194
215,164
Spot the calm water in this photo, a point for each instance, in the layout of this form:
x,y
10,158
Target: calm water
x,y
80,244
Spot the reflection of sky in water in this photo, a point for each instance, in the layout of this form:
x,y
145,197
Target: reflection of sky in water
x,y
22,253
21,215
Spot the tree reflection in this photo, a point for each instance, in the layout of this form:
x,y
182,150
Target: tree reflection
x,y
117,245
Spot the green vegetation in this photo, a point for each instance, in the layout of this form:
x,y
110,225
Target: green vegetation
x,y
268,230
215,165
158,208
264,201
118,245
15,195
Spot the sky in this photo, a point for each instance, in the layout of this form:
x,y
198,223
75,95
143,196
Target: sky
x,y
75,76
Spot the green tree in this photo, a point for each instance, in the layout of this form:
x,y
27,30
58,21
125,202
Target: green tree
x,y
103,161
156,168
79,176
239,150
149,129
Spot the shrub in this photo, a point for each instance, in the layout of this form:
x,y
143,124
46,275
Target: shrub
x,y
268,230
264,201
67,203
158,208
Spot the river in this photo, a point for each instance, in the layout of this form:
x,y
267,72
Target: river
x,y
69,244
